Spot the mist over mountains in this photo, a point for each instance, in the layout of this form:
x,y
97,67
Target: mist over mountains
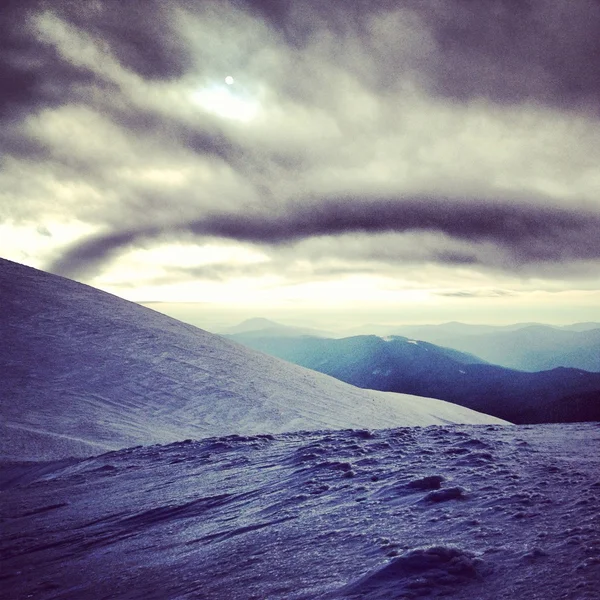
x,y
401,364
523,346
527,347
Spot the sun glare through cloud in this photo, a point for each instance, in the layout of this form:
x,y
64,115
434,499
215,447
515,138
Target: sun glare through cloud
x,y
229,101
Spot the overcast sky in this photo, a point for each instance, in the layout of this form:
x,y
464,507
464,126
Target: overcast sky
x,y
423,160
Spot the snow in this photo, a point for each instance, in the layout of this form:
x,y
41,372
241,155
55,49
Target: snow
x,y
463,511
392,338
83,372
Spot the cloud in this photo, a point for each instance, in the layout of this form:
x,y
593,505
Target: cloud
x,y
505,50
369,122
513,52
142,37
477,294
517,52
34,72
521,233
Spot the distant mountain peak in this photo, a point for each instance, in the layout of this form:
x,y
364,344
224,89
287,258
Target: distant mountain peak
x,y
254,324
268,327
261,321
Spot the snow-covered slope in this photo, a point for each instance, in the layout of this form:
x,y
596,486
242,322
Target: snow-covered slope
x,y
461,512
82,371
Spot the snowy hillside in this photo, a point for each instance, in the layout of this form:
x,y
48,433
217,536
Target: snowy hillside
x,y
83,371
461,512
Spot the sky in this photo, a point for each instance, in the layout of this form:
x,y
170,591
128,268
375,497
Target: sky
x,y
325,162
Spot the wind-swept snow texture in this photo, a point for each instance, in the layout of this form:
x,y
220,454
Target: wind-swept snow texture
x,y
463,512
82,371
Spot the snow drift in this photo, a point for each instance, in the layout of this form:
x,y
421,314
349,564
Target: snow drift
x,y
82,372
314,515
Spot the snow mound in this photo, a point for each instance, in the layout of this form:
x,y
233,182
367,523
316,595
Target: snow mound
x,y
429,571
82,372
451,493
431,482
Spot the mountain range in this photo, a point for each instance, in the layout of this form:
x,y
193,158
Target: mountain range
x,y
522,346
406,365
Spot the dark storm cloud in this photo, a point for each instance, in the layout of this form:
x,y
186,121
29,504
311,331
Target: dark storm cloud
x,y
537,231
32,73
91,253
15,143
546,51
504,50
508,51
205,136
523,233
140,34
275,11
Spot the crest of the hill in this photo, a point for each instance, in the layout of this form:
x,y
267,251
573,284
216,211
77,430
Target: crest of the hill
x,y
83,371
